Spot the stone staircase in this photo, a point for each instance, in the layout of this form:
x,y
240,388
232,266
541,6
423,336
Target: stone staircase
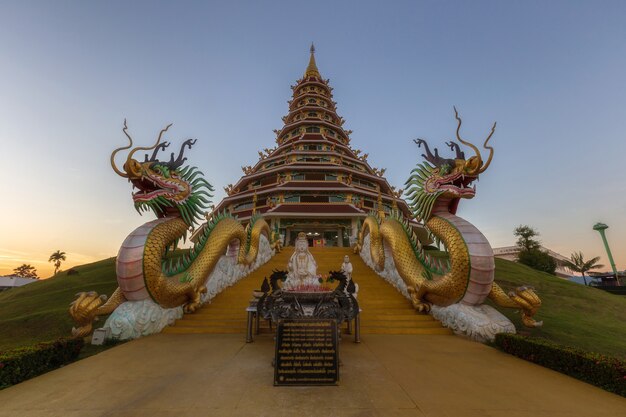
x,y
384,309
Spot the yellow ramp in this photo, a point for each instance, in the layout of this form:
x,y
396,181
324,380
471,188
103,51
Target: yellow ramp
x,y
384,309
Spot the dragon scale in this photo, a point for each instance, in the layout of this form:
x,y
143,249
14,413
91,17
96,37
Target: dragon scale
x,y
142,272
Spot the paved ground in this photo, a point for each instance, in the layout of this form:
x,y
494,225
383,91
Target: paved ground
x,y
386,375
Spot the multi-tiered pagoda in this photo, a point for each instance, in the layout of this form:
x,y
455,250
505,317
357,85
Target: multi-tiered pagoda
x,y
312,181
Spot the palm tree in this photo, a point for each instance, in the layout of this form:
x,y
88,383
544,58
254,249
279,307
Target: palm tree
x,y
26,271
578,264
57,257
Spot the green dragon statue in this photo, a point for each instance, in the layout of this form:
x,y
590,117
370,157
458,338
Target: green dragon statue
x,y
177,195
435,188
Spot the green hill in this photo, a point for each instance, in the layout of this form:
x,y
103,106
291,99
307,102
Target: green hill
x,y
38,312
573,314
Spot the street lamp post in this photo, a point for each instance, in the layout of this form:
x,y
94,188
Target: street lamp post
x,y
601,227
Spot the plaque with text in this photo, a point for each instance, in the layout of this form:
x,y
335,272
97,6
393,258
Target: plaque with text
x,y
306,352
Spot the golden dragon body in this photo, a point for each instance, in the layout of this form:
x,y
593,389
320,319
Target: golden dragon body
x,y
176,195
467,277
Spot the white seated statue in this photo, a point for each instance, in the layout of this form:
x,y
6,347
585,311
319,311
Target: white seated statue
x,y
302,268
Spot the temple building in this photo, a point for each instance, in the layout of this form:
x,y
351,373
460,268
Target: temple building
x,y
313,180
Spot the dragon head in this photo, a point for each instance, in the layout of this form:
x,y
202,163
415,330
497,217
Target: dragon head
x,y
448,179
166,188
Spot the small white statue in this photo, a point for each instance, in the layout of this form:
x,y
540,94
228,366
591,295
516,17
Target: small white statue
x,y
346,267
302,268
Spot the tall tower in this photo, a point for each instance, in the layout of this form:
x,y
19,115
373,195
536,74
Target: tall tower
x,y
313,180
601,227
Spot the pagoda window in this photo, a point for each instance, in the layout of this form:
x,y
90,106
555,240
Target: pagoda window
x,y
244,206
355,166
312,101
313,129
272,164
297,177
268,180
314,176
312,114
313,159
314,199
337,199
292,199
330,132
330,177
363,183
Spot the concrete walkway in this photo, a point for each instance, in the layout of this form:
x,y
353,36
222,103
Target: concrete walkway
x,y
386,375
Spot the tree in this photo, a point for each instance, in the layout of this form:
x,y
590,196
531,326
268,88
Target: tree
x,y
530,253
578,264
539,260
57,257
26,271
526,237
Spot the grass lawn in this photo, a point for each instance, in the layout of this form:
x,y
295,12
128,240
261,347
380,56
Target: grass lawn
x,y
573,314
38,312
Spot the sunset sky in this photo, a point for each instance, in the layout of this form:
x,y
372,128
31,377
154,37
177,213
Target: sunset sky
x,y
553,75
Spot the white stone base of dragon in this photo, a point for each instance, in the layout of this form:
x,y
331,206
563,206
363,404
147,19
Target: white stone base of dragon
x,y
480,323
134,319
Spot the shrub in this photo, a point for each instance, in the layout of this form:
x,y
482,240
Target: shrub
x,y
537,259
602,371
21,364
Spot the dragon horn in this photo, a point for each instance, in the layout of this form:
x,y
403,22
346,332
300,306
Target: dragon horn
x,y
117,171
142,148
486,164
458,136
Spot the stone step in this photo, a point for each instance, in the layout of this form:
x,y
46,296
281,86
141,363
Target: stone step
x,y
384,309
367,324
390,319
200,330
391,330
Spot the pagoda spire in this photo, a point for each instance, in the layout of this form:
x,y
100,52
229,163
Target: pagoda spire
x,y
311,70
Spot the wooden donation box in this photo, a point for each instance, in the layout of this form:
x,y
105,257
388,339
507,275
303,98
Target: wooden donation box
x,y
306,352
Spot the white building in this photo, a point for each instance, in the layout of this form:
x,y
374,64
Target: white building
x,y
12,281
510,253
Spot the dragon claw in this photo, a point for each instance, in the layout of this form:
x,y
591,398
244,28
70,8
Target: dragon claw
x,y
196,300
422,307
528,301
418,304
84,310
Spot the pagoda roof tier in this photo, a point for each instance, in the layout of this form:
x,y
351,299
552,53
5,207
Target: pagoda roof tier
x,y
327,210
308,186
309,166
310,139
